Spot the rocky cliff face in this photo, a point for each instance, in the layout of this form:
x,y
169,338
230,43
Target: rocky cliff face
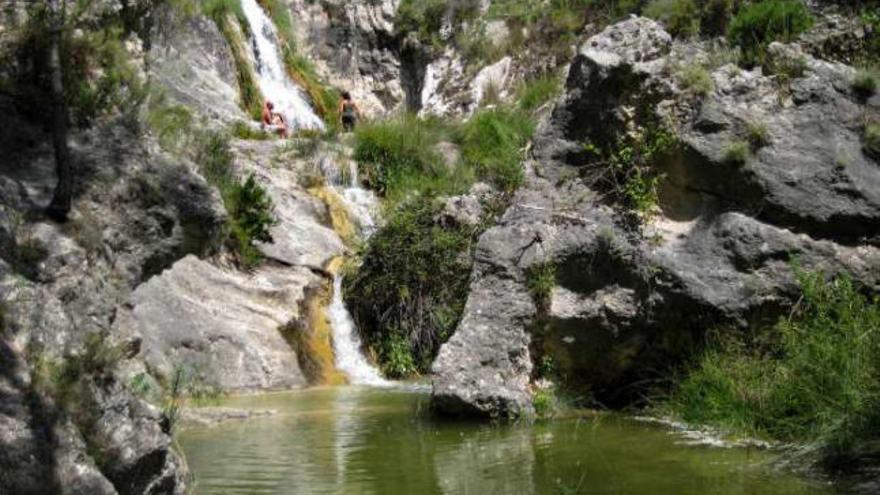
x,y
626,299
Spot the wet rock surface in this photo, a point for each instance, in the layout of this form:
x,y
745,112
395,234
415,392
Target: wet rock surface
x,y
626,301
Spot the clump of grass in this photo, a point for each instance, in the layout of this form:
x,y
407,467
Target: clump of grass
x,y
815,380
535,93
865,82
546,403
694,77
224,13
758,135
737,153
410,289
399,156
758,24
540,280
492,142
872,140
242,130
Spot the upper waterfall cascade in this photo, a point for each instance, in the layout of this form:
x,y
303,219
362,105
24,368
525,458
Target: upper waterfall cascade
x,y
273,79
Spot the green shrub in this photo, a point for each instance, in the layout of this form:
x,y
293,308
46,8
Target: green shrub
x,y
492,142
814,380
534,93
758,24
409,291
247,203
694,77
680,17
872,140
865,82
546,403
642,192
737,153
250,215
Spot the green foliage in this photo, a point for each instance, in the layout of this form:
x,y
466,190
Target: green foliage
x,y
758,135
172,124
758,24
865,82
627,174
681,17
248,204
242,130
546,403
399,156
540,280
872,140
492,142
221,10
409,292
737,153
694,77
534,93
815,380
250,216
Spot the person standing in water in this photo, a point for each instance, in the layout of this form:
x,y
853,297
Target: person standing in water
x,y
274,121
348,112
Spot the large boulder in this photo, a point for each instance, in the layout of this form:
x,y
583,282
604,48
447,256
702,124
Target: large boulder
x,y
223,326
628,300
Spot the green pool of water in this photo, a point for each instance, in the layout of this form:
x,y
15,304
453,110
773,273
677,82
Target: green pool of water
x,y
351,440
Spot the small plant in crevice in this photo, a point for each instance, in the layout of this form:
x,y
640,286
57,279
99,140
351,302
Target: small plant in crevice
x,y
872,140
695,78
540,280
758,135
736,153
626,172
865,82
546,403
534,93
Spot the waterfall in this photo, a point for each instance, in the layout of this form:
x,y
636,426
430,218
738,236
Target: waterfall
x,y
347,344
362,208
272,77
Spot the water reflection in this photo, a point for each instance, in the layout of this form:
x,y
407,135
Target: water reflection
x,y
377,441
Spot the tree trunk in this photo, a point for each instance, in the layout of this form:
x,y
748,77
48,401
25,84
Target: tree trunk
x,y
60,205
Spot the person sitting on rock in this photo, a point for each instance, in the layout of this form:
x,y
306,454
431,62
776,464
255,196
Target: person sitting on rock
x,y
273,121
348,112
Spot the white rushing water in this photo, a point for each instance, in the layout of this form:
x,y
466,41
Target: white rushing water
x,y
362,206
275,84
347,345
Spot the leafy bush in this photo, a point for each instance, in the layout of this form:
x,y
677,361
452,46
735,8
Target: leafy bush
x,y
248,204
681,17
492,142
409,292
736,153
814,380
694,77
758,24
545,403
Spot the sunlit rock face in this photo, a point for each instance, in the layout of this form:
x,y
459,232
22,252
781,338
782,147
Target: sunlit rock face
x,y
627,300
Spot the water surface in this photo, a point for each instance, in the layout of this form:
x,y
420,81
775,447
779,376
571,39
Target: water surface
x,y
350,440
